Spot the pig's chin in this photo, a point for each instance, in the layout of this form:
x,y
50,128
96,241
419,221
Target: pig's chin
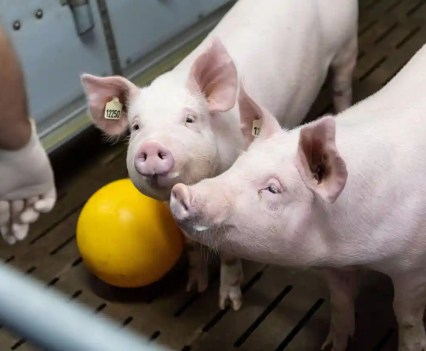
x,y
157,187
208,235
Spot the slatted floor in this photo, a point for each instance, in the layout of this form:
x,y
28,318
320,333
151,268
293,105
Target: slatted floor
x,y
283,309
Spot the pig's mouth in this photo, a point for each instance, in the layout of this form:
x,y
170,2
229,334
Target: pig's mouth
x,y
155,186
195,218
163,181
158,181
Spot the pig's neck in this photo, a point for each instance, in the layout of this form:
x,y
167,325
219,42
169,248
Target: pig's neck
x,y
229,138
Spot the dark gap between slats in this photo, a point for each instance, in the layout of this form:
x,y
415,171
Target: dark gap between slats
x,y
372,68
18,344
100,307
218,316
386,33
77,262
384,340
62,245
127,321
415,7
275,302
186,305
53,281
10,259
305,319
76,294
30,270
393,6
366,28
411,34
155,335
186,348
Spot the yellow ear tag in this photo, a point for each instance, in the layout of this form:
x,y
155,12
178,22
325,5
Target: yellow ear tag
x,y
256,127
113,109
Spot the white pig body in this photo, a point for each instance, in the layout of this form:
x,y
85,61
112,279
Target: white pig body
x,y
379,219
336,194
185,125
283,50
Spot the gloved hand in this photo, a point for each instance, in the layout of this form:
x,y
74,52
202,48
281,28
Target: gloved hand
x,y
27,188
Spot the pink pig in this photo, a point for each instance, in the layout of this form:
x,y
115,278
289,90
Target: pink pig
x,y
338,194
185,125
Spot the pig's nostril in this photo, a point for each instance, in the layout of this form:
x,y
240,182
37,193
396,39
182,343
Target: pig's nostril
x,y
161,155
180,197
184,205
143,156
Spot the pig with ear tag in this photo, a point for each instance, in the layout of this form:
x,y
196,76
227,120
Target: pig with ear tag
x,y
337,193
184,126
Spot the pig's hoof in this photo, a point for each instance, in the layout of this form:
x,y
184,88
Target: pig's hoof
x,y
230,295
200,284
413,344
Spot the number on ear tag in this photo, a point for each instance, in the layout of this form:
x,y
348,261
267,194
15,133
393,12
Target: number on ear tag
x,y
113,109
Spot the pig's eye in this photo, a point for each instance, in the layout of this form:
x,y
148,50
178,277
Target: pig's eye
x,y
189,119
272,188
135,127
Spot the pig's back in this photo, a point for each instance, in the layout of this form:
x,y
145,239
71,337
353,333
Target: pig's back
x,y
282,50
383,142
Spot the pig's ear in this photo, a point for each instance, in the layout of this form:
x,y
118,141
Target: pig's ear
x,y
255,120
99,91
319,161
214,74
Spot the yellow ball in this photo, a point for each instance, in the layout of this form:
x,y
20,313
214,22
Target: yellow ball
x,y
126,238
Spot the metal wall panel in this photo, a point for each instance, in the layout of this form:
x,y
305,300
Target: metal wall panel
x,y
52,53
142,26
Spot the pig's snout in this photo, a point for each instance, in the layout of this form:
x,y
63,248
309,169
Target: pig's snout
x,y
154,159
180,203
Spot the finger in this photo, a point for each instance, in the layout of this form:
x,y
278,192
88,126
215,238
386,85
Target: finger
x,y
20,231
17,206
7,235
46,202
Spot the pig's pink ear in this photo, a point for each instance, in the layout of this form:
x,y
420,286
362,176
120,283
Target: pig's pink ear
x,y
99,91
214,74
318,160
255,121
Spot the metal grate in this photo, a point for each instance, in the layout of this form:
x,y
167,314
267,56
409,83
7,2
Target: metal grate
x,y
284,309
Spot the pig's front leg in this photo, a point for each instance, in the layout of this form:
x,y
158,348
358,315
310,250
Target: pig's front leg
x,y
342,285
198,275
409,304
231,277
